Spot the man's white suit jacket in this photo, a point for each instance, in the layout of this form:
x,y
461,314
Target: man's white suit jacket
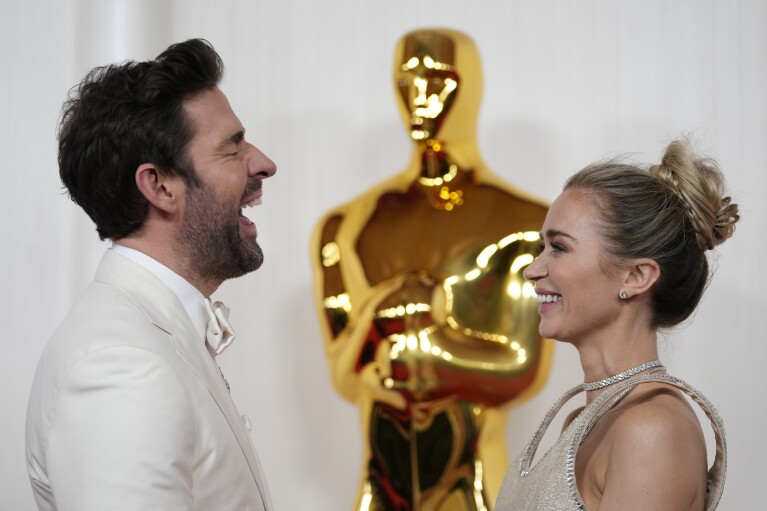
x,y
129,411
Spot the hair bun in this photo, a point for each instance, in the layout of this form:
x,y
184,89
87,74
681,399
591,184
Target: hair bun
x,y
699,184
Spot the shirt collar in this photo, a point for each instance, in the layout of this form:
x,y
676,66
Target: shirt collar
x,y
190,297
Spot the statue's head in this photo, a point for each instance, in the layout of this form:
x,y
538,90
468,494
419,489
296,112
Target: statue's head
x,y
438,77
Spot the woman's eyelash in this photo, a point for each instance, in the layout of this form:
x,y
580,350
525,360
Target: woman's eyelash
x,y
555,247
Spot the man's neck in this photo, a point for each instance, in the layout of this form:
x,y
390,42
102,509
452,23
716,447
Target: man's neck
x,y
166,256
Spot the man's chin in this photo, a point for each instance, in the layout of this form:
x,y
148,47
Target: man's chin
x,y
252,256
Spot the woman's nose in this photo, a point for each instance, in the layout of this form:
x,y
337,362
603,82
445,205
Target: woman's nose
x,y
535,270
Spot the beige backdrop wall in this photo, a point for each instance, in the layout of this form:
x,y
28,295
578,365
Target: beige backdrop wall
x,y
565,83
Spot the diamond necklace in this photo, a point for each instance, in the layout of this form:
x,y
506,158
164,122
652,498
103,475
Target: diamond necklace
x,y
594,385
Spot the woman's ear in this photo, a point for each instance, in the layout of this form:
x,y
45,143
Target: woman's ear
x,y
161,190
642,274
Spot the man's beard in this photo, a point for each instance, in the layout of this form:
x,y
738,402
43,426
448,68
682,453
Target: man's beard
x,y
210,239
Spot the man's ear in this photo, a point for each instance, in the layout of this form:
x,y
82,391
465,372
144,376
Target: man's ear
x,y
642,274
160,189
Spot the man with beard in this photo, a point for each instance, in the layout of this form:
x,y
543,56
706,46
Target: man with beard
x,y
128,408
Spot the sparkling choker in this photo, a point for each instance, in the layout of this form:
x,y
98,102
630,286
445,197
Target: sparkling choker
x,y
594,385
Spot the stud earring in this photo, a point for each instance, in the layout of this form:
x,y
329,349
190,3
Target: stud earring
x,y
623,295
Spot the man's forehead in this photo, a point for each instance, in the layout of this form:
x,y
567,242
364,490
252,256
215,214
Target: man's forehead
x,y
210,114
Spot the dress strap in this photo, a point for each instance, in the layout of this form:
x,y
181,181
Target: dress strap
x,y
606,400
532,446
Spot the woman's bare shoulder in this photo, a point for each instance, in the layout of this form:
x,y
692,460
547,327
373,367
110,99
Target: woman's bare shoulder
x,y
657,451
656,406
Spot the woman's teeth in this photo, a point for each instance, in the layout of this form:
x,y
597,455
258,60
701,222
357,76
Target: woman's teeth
x,y
549,298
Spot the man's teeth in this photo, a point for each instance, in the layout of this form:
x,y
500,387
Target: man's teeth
x,y
249,213
549,298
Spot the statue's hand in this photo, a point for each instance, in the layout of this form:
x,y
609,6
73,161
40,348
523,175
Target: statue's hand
x,y
344,352
375,375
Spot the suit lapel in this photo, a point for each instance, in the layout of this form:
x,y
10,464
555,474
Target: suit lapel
x,y
165,311
200,361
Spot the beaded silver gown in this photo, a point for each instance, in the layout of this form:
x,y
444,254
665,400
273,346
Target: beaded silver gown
x,y
550,484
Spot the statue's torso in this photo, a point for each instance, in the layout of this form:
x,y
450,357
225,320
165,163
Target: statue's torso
x,y
450,372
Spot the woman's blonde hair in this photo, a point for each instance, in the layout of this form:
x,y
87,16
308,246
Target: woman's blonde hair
x,y
672,213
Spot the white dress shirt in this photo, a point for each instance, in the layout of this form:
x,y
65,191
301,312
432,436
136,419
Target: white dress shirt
x,y
191,298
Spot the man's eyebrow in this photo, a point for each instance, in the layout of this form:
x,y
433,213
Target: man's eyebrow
x,y
238,137
235,139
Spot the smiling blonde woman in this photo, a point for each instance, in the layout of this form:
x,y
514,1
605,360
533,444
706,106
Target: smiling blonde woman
x,y
623,254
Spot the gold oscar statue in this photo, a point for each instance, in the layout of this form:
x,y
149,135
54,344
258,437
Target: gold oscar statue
x,y
429,327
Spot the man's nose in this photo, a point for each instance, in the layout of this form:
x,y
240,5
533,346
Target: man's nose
x,y
260,166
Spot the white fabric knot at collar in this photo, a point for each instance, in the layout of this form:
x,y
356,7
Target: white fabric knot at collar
x,y
219,334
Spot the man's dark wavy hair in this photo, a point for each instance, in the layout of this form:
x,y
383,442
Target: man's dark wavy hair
x,y
123,115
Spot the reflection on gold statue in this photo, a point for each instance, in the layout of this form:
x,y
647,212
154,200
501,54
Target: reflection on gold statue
x,y
429,325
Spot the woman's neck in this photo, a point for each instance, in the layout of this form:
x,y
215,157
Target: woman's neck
x,y
611,355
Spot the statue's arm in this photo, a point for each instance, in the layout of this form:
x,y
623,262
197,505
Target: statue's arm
x,y
346,312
